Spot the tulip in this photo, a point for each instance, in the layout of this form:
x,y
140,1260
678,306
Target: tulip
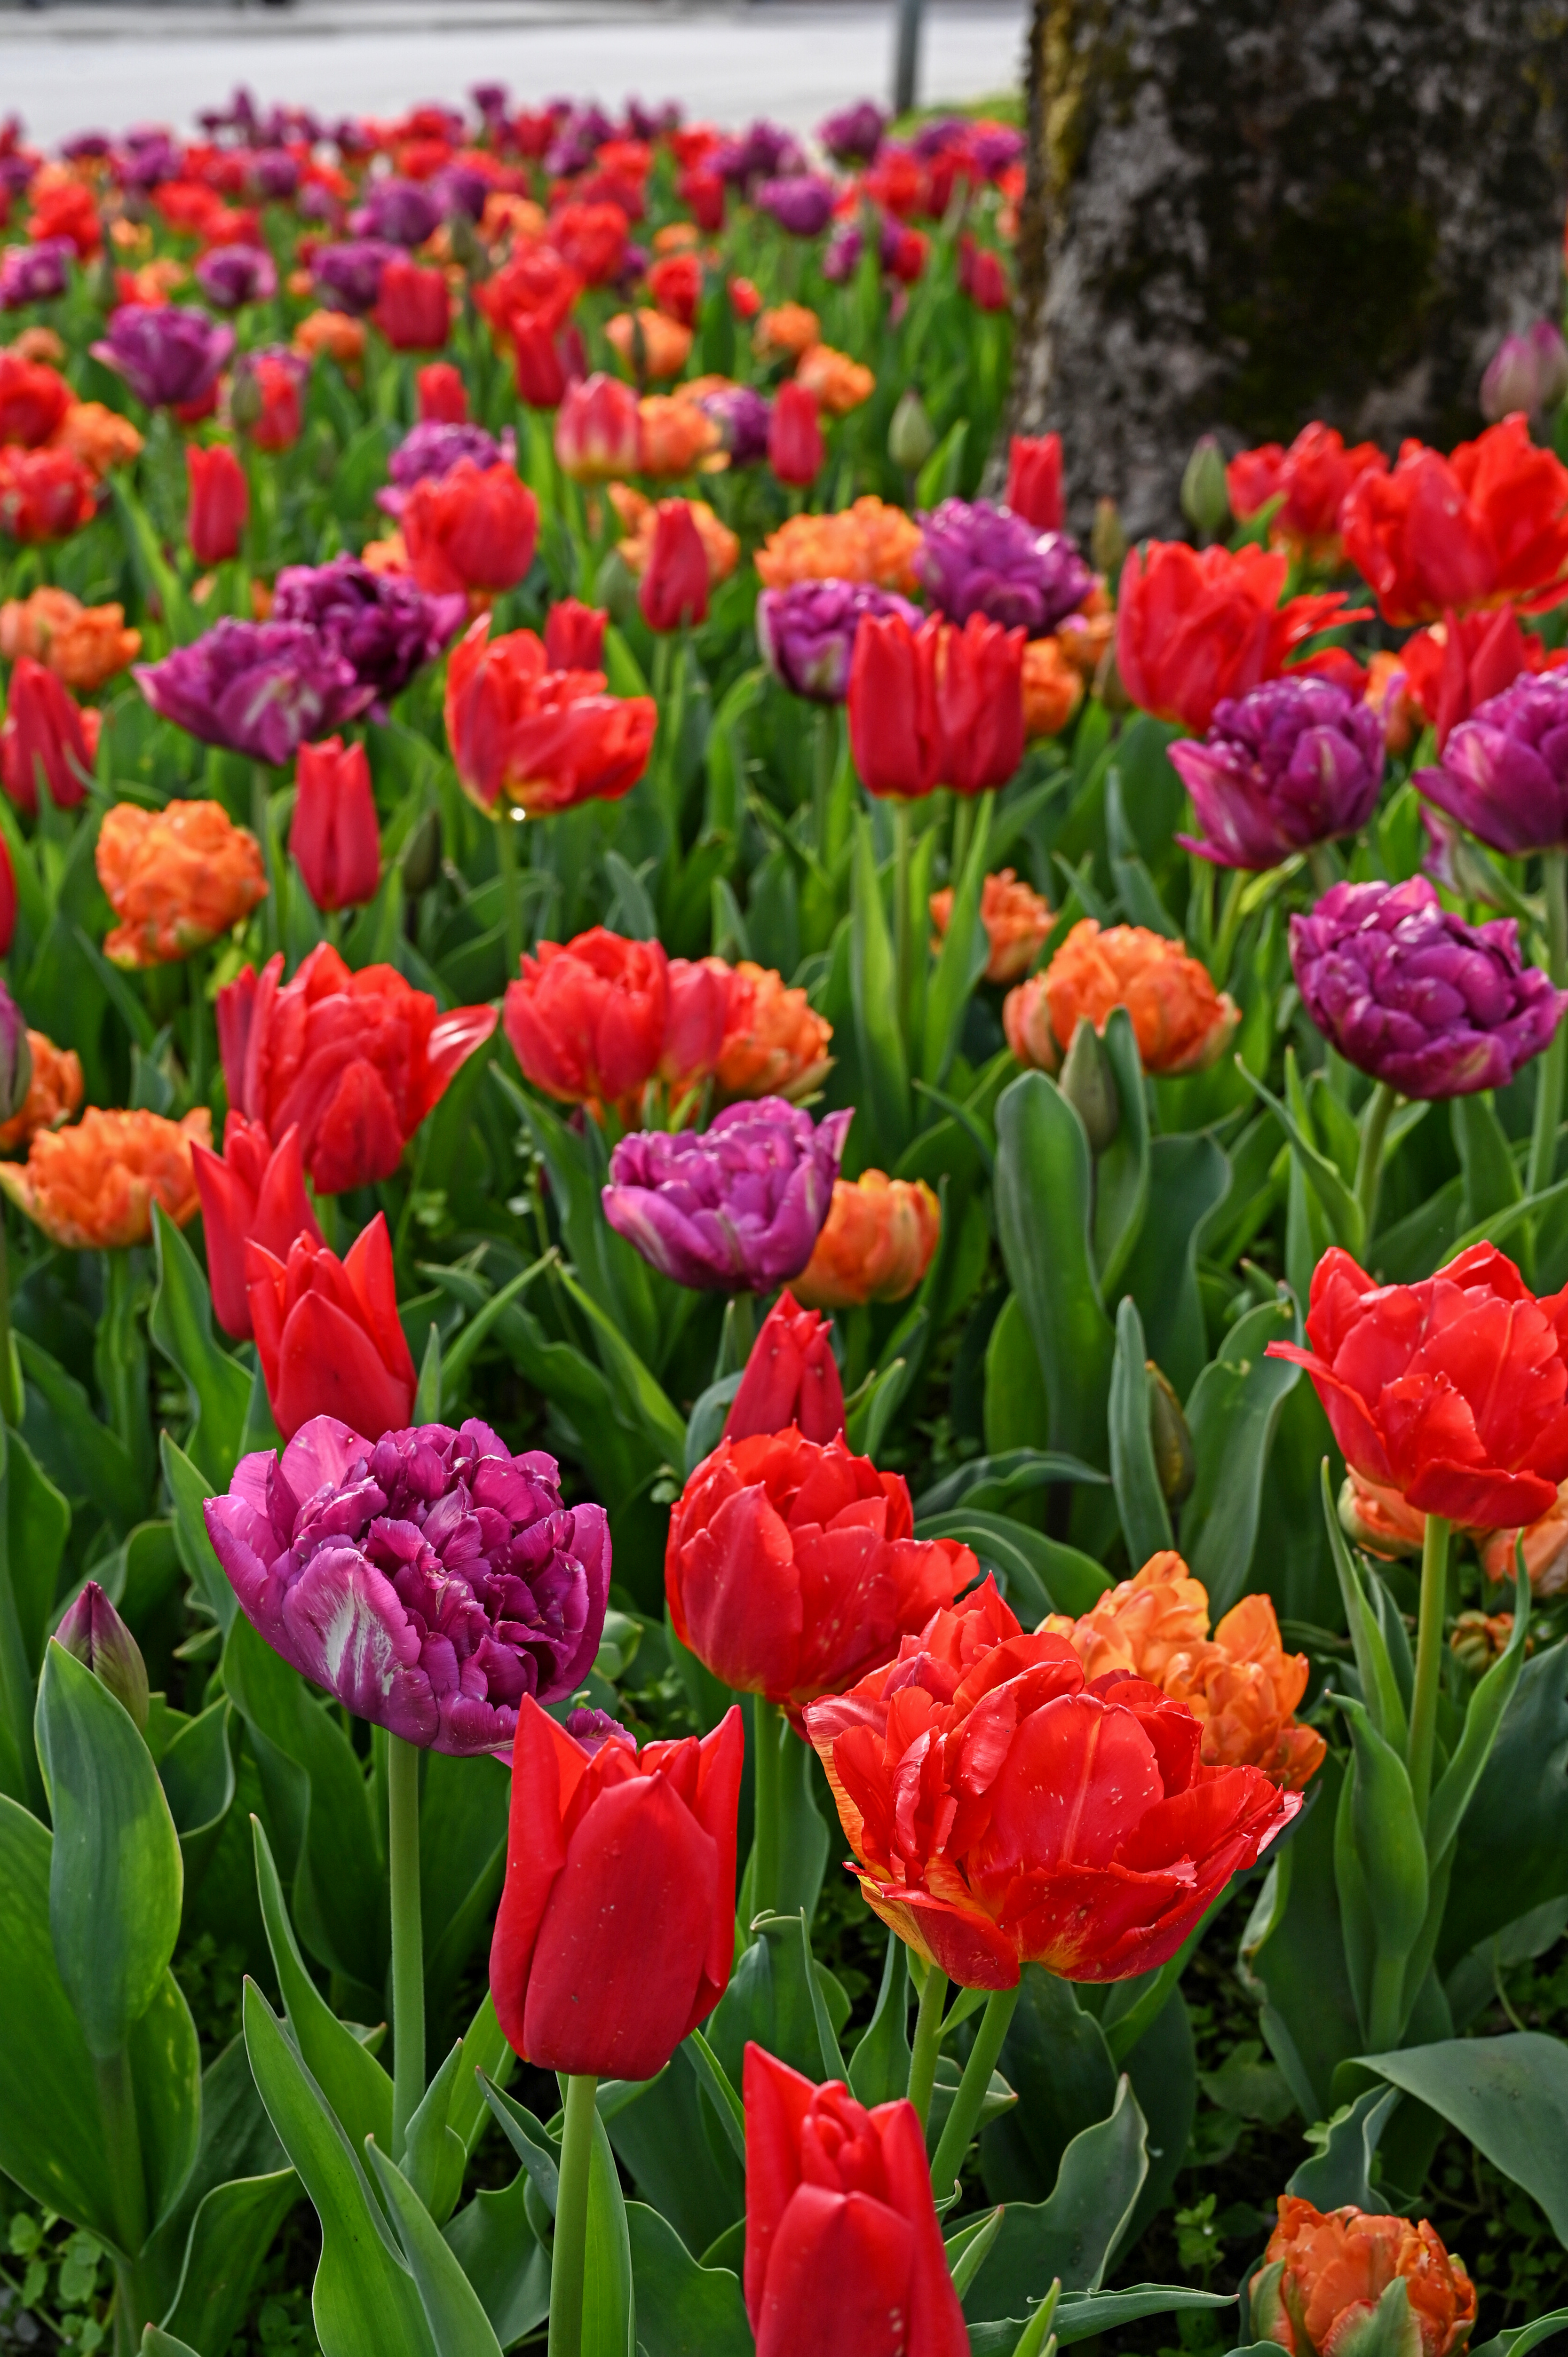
x,y
35,273
894,729
678,434
349,274
177,879
335,335
430,450
1409,992
807,632
1205,501
876,1245
978,676
1452,1392
357,1060
95,1633
597,436
1017,921
1180,1021
776,1044
744,417
703,992
441,395
1545,1544
219,502
16,1059
1526,372
333,834
1057,1823
1293,763
1026,1025
649,344
591,238
1487,523
99,437
398,210
675,283
982,276
839,383
429,1579
980,559
170,358
795,446
1193,627
1504,772
84,646
381,624
1310,481
45,494
586,1020
802,203
853,135
790,1378
868,540
1325,2272
1034,480
472,530
45,730
327,1333
271,385
253,1192
258,688
616,1931
539,368
704,191
575,636
738,1208
673,595
413,308
33,399
92,1187
911,437
1463,662
54,1084
232,276
843,2249
547,740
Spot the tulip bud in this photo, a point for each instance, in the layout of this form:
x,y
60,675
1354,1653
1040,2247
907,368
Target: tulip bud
x,y
1107,539
94,1633
1088,1085
1552,363
463,241
911,438
1479,1638
246,401
1511,380
1174,1459
1205,501
615,588
16,1057
422,859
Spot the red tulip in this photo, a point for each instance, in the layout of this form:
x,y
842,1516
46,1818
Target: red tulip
x,y
575,636
279,379
843,2248
473,529
701,993
1035,480
598,432
704,191
546,739
253,1193
1467,658
1489,523
1452,1392
33,399
894,731
442,395
219,502
985,279
586,1019
1193,627
592,240
795,447
413,308
538,367
673,593
45,728
675,283
1311,480
792,1377
44,494
792,1565
357,1060
936,706
334,835
616,1930
327,1333
979,676
1003,1810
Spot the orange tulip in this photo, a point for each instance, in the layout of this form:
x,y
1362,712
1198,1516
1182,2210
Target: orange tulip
x,y
1182,1023
54,1092
777,1045
1379,1520
1324,2273
676,435
99,436
867,541
93,1187
1015,918
876,1243
1053,685
786,331
175,879
83,645
1545,1549
335,334
648,343
839,383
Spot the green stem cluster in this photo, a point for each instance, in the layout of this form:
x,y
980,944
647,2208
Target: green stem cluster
x,y
407,1937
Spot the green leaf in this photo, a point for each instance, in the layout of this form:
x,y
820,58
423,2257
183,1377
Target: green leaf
x,y
1231,1414
641,1399
1492,1182
1039,1574
1073,2234
1338,1202
1508,2096
1139,1502
1002,1478
236,2145
427,1392
1043,1197
712,2075
82,1450
166,2077
540,2154
349,2075
1512,1849
1390,1846
880,1049
802,1830
683,2309
188,1488
435,2156
1087,2319
1189,1179
1373,1667
960,960
1342,2171
611,1270
116,1876
180,1323
1294,1946
230,2237
485,2050
969,2246
608,2307
196,1772
156,2342
1122,1171
879,2067
504,2260
1525,2337
456,2315
1493,1693
34,1523
681,2158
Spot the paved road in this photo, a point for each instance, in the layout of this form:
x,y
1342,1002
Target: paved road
x,y
69,67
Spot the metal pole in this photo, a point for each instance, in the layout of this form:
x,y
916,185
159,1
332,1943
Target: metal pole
x,y
906,57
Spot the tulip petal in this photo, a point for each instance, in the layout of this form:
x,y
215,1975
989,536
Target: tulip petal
x,y
839,2276
328,1366
343,1628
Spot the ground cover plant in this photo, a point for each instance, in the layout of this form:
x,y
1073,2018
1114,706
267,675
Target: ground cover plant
x,y
784,1297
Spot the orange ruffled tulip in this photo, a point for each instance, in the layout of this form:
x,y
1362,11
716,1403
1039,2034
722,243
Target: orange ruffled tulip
x,y
1053,683
1181,1022
875,1245
84,646
92,1188
335,334
97,436
1545,1544
649,343
1324,2273
1015,918
867,541
54,1092
787,331
175,879
547,740
676,434
838,383
777,1045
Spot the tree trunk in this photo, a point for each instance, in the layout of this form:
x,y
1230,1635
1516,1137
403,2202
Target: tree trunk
x,y
1244,214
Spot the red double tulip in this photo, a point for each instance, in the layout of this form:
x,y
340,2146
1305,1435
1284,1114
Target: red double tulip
x,y
704,191
673,592
33,399
616,1930
1487,524
279,379
1311,481
333,834
1035,480
413,307
795,445
1464,659
598,431
1005,1811
1452,1392
327,1333
474,528
357,1060
575,636
675,283
1194,625
252,1193
442,395
45,729
587,1019
792,1565
545,740
790,1377
936,706
843,2247
44,494
219,502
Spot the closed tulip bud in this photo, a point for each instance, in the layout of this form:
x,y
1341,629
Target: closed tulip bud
x,y
93,1632
792,1377
246,400
1175,1462
1108,539
911,438
795,448
219,502
1477,1639
421,858
441,394
334,835
674,591
1205,501
615,587
16,1057
1088,1085
575,636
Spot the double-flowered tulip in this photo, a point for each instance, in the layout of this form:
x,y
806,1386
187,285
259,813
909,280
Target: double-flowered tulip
x,y
473,529
1181,1022
1325,2272
93,1186
980,559
806,632
252,1193
876,1243
1487,524
738,1207
1504,771
170,355
1195,626
381,624
177,879
258,688
540,738
1293,762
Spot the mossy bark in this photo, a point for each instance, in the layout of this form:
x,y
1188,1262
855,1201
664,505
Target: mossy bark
x,y
1242,214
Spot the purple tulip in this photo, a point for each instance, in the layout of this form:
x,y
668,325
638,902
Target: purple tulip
x,y
459,190
802,204
16,1057
489,101
764,152
995,145
85,146
16,174
170,357
1528,371
1416,997
35,273
349,274
318,204
400,211
428,1579
978,559
148,157
1504,772
738,1206
259,688
92,1631
432,448
936,137
1295,762
651,123
275,175
382,623
232,275
841,256
743,416
807,632
853,135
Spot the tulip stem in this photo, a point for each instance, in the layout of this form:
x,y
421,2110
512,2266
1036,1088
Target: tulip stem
x,y
1428,1661
1386,2021
407,1937
928,2042
1370,1161
967,2104
511,905
122,2146
570,2251
768,1730
901,928
1549,1088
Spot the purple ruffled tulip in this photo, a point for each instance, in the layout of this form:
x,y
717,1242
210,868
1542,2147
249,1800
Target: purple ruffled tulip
x,y
853,135
259,688
432,448
807,632
459,190
1504,772
978,559
349,274
801,204
170,357
35,273
743,416
234,275
1295,762
382,623
737,1207
428,1579
1416,997
401,211
767,151
275,175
